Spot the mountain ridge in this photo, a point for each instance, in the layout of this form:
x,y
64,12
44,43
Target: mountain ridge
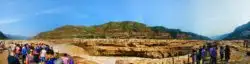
x,y
2,36
16,37
241,32
120,30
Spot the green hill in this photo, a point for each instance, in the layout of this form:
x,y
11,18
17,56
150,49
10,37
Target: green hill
x,y
2,36
121,30
241,32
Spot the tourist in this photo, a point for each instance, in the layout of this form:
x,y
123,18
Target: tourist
x,y
36,55
47,47
198,56
59,61
38,48
203,54
227,54
17,50
24,53
57,55
71,60
50,59
193,55
13,47
1,46
42,55
9,49
65,58
213,54
30,58
207,55
222,53
12,59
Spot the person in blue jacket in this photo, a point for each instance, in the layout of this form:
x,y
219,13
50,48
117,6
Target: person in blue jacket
x,y
50,59
24,53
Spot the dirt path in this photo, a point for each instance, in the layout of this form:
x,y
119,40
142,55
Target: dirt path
x,y
3,57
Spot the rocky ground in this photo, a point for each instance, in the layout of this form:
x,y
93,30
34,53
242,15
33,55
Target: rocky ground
x,y
132,51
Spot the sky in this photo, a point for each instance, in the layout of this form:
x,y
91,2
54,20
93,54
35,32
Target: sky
x,y
204,17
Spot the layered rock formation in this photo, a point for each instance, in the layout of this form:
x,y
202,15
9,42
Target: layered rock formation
x,y
148,48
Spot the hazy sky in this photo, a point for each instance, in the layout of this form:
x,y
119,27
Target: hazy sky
x,y
205,17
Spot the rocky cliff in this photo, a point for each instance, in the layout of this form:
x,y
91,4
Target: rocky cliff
x,y
147,48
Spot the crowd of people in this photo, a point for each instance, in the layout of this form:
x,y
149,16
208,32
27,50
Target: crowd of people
x,y
209,54
41,53
36,54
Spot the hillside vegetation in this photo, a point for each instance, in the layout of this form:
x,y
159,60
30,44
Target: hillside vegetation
x,y
2,36
241,32
118,30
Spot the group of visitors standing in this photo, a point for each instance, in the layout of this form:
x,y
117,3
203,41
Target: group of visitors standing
x,y
208,55
36,54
